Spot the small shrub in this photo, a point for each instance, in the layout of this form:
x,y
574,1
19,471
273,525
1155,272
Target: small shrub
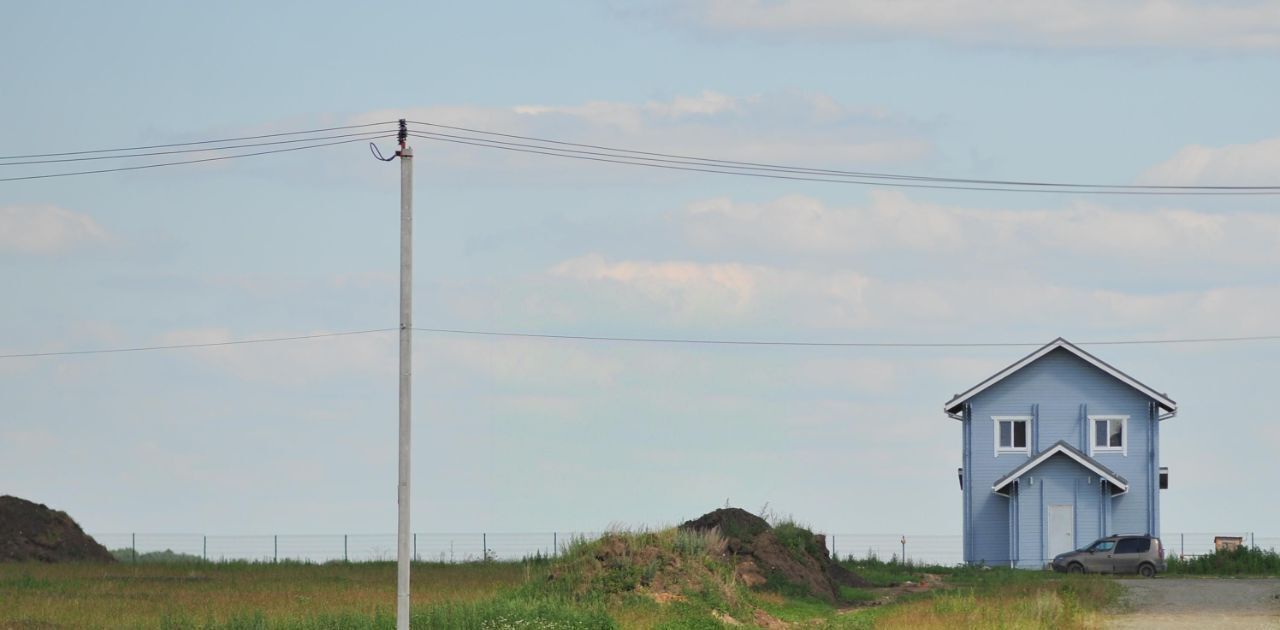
x,y
855,595
126,554
1239,561
797,538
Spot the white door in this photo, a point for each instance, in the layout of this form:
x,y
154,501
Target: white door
x,y
1062,535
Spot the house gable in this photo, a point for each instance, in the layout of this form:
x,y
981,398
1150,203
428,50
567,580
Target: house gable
x,y
958,401
1061,447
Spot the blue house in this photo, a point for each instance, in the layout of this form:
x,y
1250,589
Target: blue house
x,y
1060,449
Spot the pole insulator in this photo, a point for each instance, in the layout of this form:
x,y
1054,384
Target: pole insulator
x,y
403,136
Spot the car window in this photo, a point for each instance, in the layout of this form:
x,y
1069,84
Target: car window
x,y
1103,545
1133,545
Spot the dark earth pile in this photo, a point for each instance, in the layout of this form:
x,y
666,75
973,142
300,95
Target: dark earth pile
x,y
788,555
31,532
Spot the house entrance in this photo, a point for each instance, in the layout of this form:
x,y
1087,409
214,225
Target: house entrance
x,y
1061,530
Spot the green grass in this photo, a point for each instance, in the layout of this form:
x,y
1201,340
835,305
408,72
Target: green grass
x,y
796,537
233,595
642,579
892,572
996,598
1239,561
129,555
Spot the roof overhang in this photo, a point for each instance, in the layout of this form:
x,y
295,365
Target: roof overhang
x,y
953,405
1121,486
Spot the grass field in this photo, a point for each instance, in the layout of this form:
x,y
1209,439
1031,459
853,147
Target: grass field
x,y
496,595
229,595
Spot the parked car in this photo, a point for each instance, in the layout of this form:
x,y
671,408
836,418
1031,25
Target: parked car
x,y
1143,555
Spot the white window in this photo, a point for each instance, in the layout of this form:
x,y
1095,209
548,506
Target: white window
x,y
1109,434
1012,434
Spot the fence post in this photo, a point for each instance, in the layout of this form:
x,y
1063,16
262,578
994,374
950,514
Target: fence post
x,y
345,558
275,548
133,545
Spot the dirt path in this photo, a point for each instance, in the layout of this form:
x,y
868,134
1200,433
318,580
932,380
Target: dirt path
x,y
1199,603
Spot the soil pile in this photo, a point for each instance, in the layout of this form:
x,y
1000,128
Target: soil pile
x,y
786,556
31,532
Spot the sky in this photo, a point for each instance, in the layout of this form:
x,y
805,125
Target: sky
x,y
529,435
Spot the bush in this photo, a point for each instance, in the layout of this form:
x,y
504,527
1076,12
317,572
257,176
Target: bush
x,y
797,538
1239,561
126,554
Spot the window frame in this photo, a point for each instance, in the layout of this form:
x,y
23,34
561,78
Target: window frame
x,y
1097,543
1123,449
1135,541
995,437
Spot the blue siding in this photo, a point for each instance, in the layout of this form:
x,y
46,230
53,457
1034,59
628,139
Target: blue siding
x,y
1058,481
1060,389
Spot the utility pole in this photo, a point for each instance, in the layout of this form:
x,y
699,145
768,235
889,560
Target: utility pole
x,y
406,373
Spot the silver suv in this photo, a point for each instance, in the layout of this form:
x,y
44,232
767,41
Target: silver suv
x,y
1143,555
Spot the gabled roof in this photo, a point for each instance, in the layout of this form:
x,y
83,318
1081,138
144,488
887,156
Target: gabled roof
x,y
1001,485
1161,399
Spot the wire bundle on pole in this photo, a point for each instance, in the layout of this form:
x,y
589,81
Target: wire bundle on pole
x,y
679,162
214,150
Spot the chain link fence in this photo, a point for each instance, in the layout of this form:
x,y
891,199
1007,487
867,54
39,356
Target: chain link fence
x,y
318,548
934,549
1190,545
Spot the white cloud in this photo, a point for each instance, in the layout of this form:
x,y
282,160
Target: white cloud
x,y
1025,23
685,286
742,297
1254,164
46,229
894,221
712,293
785,127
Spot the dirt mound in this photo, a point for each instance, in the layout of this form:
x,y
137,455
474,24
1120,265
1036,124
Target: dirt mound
x,y
739,527
788,555
33,532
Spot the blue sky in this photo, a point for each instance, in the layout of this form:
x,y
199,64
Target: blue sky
x,y
527,435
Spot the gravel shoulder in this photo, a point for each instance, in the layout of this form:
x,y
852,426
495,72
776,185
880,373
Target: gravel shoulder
x,y
1176,603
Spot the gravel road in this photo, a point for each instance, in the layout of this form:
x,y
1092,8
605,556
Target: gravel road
x,y
1177,603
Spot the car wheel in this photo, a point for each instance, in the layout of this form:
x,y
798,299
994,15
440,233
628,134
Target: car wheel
x,y
1076,568
1147,570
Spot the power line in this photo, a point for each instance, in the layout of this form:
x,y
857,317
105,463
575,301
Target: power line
x,y
199,142
868,174
829,175
638,161
650,340
837,344
211,159
363,135
181,346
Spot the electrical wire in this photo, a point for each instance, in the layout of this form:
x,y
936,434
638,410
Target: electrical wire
x,y
635,154
646,340
836,344
210,159
363,134
640,161
200,142
181,346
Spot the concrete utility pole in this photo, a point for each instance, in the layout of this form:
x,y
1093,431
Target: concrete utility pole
x,y
406,373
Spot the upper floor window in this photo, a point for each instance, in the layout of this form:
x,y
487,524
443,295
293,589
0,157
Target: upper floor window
x,y
1110,434
1012,434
